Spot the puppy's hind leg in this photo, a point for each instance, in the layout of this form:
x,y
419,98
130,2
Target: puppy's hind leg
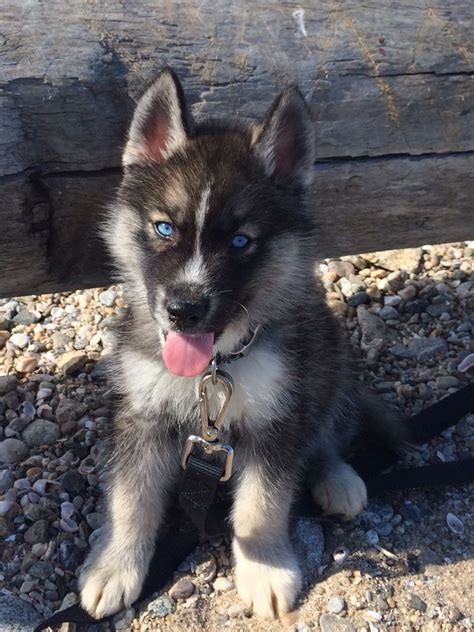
x,y
337,487
113,574
341,491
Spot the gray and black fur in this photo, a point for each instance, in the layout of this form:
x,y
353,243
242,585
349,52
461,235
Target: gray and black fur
x,y
297,407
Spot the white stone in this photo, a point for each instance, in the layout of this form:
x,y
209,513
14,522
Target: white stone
x,y
96,339
57,312
20,340
373,616
222,584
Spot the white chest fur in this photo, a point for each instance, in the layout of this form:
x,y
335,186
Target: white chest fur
x,y
260,387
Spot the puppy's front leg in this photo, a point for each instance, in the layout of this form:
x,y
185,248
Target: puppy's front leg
x,y
113,574
267,574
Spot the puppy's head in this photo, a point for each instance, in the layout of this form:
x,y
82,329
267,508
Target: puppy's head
x,y
209,228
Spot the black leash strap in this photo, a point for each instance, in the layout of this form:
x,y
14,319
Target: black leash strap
x,y
198,489
424,426
73,614
455,473
440,416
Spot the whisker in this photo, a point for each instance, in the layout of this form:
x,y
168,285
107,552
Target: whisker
x,y
219,292
234,302
245,310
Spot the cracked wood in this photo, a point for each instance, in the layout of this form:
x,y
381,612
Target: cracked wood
x,y
390,83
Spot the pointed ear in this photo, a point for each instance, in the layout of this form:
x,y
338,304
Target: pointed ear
x,y
284,141
161,122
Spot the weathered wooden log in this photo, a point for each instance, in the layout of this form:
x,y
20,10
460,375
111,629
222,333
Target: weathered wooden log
x,y
390,83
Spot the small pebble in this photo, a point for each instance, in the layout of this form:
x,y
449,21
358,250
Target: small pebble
x,y
41,570
193,601
39,549
68,525
372,537
447,381
384,529
57,312
340,555
407,292
41,432
69,600
7,480
455,524
373,616
416,602
71,362
123,620
67,510
467,363
37,533
41,486
12,450
236,611
8,383
28,411
27,587
162,607
73,481
222,584
27,363
359,298
107,298
5,506
44,393
392,301
182,589
333,623
389,313
69,555
20,340
205,566
95,520
336,605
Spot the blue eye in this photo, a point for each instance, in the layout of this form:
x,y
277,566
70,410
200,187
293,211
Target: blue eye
x,y
239,241
164,229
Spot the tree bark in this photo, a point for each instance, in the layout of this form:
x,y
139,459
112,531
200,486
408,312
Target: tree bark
x,y
390,84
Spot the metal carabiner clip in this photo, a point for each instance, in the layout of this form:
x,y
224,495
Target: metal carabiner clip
x,y
210,427
209,448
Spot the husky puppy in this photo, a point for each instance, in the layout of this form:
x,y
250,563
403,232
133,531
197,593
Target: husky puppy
x,y
212,236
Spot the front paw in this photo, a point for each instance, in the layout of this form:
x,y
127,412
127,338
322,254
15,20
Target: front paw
x,y
269,582
108,584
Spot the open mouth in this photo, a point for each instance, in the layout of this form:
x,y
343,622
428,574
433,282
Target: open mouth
x,y
187,355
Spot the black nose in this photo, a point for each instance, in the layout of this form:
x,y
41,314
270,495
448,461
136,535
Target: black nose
x,y
187,313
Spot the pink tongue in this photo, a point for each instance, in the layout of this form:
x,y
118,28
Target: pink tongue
x,y
187,355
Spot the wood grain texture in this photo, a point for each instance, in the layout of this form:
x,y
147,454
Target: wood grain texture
x,y
391,85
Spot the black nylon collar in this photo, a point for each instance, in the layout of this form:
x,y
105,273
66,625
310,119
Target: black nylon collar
x,y
245,347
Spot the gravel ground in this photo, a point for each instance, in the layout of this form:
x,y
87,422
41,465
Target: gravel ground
x,y
405,564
